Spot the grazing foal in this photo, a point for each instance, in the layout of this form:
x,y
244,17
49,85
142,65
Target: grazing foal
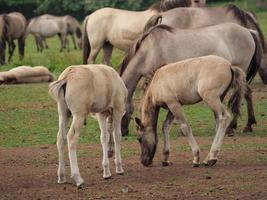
x,y
81,90
185,83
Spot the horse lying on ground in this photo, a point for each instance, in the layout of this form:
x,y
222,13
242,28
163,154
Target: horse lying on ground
x,y
45,28
73,27
12,27
108,27
26,74
81,90
163,44
188,82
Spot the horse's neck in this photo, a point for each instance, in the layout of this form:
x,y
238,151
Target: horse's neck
x,y
149,112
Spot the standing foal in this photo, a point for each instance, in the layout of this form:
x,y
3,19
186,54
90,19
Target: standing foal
x,y
185,83
81,90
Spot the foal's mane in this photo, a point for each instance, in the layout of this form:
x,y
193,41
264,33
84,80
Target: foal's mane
x,y
165,5
137,44
245,18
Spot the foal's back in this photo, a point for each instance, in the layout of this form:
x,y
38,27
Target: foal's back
x,y
187,80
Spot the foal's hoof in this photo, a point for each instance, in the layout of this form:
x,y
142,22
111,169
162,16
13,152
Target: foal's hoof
x,y
210,163
247,129
196,164
110,153
80,186
230,132
165,163
107,177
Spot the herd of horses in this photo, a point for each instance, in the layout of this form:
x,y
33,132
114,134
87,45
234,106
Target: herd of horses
x,y
187,54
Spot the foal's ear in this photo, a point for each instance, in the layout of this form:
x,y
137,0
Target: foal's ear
x,y
139,124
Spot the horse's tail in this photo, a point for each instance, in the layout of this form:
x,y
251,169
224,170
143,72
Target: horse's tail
x,y
239,88
256,59
153,21
86,42
57,88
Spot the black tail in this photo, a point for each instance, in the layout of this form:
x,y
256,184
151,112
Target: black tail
x,y
256,59
86,43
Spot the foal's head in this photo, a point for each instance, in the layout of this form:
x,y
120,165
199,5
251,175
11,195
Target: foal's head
x,y
148,142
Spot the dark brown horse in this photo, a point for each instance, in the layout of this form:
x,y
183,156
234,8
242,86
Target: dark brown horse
x,y
162,44
13,28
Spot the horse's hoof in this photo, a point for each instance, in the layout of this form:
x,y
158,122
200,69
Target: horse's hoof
x,y
80,186
107,177
196,164
230,132
210,163
247,129
120,173
110,153
165,163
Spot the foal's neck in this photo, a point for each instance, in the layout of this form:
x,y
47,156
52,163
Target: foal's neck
x,y
149,113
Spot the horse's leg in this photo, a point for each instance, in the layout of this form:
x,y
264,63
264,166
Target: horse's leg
x,y
176,110
117,116
223,118
110,130
61,140
45,43
105,144
96,44
251,115
166,146
107,47
21,43
74,41
11,49
37,43
73,136
61,42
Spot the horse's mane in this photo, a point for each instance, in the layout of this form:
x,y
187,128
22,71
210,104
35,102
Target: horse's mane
x,y
137,44
165,5
4,34
245,18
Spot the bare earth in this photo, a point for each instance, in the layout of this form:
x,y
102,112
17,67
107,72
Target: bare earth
x,y
241,173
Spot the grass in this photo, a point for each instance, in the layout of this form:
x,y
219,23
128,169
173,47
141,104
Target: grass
x,y
28,115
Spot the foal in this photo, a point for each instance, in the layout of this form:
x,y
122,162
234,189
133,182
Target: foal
x,y
81,90
185,83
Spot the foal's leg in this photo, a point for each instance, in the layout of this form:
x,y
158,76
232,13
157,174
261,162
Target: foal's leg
x,y
73,136
117,116
105,144
176,110
63,115
74,41
251,115
166,129
223,118
107,47
110,130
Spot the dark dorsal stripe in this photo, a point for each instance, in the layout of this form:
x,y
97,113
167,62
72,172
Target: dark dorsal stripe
x,y
136,46
165,5
245,18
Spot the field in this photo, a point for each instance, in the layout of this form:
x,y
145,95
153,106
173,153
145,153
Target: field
x,y
28,154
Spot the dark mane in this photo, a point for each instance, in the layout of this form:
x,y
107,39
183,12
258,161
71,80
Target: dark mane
x,y
165,5
245,18
4,35
136,46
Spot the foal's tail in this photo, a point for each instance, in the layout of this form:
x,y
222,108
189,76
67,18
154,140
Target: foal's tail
x,y
86,42
239,88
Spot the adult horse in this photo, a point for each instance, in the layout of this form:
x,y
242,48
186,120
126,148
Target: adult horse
x,y
207,79
73,27
186,18
163,44
45,28
12,27
108,27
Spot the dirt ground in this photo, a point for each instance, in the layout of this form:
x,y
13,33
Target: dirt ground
x,y
241,173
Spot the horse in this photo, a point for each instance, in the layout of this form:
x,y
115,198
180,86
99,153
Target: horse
x,y
45,28
26,74
72,25
163,44
81,90
108,27
186,18
188,82
12,27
